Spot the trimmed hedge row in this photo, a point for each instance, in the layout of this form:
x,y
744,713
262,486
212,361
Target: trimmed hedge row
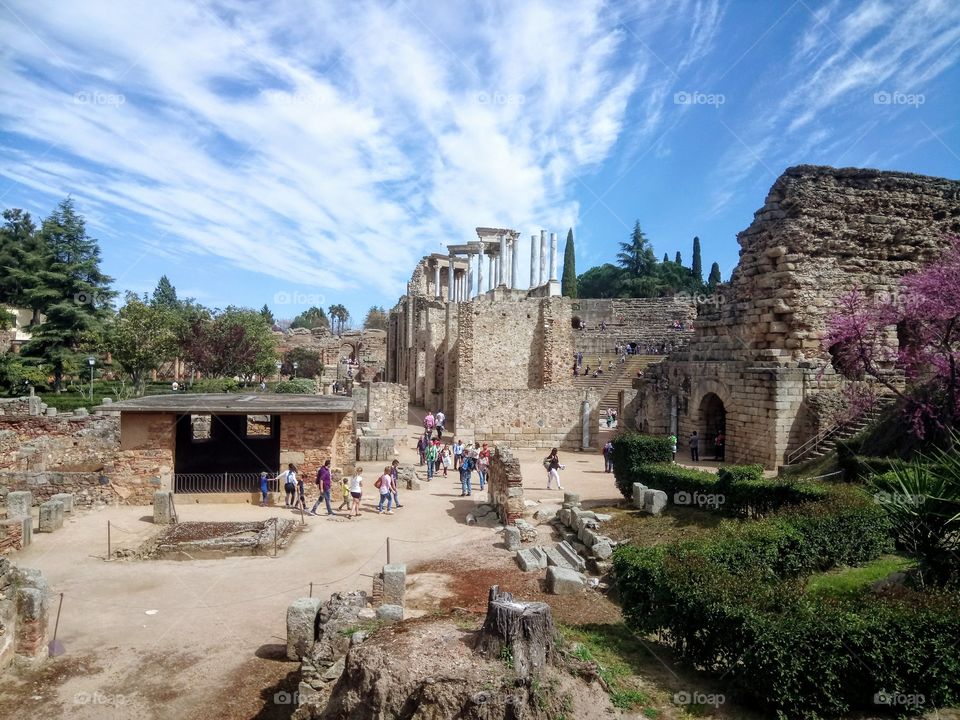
x,y
733,602
297,386
630,451
215,385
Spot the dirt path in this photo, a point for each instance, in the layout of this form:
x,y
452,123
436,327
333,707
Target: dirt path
x,y
164,638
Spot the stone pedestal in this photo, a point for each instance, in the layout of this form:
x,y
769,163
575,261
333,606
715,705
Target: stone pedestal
x,y
511,537
66,499
394,583
562,581
51,516
19,503
163,507
302,626
390,613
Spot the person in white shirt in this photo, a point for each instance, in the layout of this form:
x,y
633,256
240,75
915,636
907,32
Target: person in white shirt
x,y
385,486
356,490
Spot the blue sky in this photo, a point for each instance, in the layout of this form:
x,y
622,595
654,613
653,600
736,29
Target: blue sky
x,y
304,153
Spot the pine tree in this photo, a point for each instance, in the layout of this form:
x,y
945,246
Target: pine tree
x,y
376,318
678,260
666,258
568,281
165,295
697,266
714,278
72,291
637,255
22,257
267,315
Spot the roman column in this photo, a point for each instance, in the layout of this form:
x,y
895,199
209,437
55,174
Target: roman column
x,y
450,296
501,266
514,265
553,256
480,288
543,257
533,261
436,280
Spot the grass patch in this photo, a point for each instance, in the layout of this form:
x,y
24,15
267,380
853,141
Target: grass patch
x,y
611,648
848,581
674,524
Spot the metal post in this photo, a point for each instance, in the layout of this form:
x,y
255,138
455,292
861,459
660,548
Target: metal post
x,y
274,537
388,550
311,589
108,539
224,479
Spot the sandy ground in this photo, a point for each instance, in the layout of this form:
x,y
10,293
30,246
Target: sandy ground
x,y
178,639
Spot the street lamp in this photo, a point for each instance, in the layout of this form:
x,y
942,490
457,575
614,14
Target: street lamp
x,y
295,366
91,361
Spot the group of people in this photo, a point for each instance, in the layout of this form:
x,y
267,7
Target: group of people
x,y
351,489
459,456
719,443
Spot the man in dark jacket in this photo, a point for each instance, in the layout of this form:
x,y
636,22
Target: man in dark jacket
x,y
323,484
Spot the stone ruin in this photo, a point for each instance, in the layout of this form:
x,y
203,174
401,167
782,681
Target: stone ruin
x,y
755,366
24,614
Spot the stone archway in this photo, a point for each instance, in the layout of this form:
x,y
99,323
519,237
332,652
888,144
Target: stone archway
x,y
349,351
711,419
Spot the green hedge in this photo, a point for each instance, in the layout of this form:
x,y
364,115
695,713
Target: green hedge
x,y
297,386
738,490
630,450
733,603
215,385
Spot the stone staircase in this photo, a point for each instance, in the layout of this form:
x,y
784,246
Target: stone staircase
x,y
826,441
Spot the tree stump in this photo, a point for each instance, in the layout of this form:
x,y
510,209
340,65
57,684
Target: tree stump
x,y
519,632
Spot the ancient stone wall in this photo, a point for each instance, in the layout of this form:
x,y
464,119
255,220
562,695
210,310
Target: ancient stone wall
x,y
307,439
387,407
88,488
821,233
144,463
649,322
505,485
36,444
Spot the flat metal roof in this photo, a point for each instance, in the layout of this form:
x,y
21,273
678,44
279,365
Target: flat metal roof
x,y
234,403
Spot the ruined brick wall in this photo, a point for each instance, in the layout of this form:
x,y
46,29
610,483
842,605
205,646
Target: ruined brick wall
x,y
36,444
307,439
24,613
505,485
821,233
145,460
88,488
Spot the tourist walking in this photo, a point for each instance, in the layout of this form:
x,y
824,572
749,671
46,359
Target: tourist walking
x,y
466,470
673,447
431,455
289,485
429,422
264,489
422,447
383,484
395,482
445,459
345,494
323,485
718,446
356,490
552,464
483,465
440,420
457,454
608,456
694,446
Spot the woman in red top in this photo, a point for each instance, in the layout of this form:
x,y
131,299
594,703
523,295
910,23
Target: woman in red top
x,y
483,464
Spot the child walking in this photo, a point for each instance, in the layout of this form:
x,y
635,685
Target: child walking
x,y
345,493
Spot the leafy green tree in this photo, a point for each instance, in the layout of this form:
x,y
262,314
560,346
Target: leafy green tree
x,y
268,315
165,294
235,342
17,374
312,318
715,278
70,288
697,266
604,281
309,364
22,257
637,256
340,315
141,337
568,281
376,318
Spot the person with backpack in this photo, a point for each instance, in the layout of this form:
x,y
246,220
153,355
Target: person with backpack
x,y
323,485
289,485
552,465
466,470
431,455
383,484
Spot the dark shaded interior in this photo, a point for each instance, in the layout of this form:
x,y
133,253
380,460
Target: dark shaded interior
x,y
229,449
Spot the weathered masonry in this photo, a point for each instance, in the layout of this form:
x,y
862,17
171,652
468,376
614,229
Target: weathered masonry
x,y
220,443
755,366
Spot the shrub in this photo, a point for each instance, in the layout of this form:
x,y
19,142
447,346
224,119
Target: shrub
x,y
297,386
215,385
630,450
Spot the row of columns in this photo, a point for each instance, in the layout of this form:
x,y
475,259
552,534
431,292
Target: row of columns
x,y
501,269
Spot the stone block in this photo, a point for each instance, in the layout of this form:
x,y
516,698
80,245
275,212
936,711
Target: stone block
x,y
639,490
562,581
602,517
572,556
394,583
565,516
302,626
66,499
654,501
588,537
602,550
51,516
556,559
531,559
571,499
19,503
511,537
162,507
546,513
390,613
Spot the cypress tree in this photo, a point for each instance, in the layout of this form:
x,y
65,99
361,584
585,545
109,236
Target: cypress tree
x,y
568,281
714,278
697,266
678,260
666,258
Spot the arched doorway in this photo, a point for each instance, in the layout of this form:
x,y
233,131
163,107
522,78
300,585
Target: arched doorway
x,y
348,352
712,420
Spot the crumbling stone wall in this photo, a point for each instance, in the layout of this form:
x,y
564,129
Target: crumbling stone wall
x,y
307,439
88,488
24,614
646,321
822,232
505,485
145,460
36,443
386,407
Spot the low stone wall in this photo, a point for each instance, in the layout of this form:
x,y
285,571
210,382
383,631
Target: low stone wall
x,y
31,443
27,405
540,418
88,488
505,485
